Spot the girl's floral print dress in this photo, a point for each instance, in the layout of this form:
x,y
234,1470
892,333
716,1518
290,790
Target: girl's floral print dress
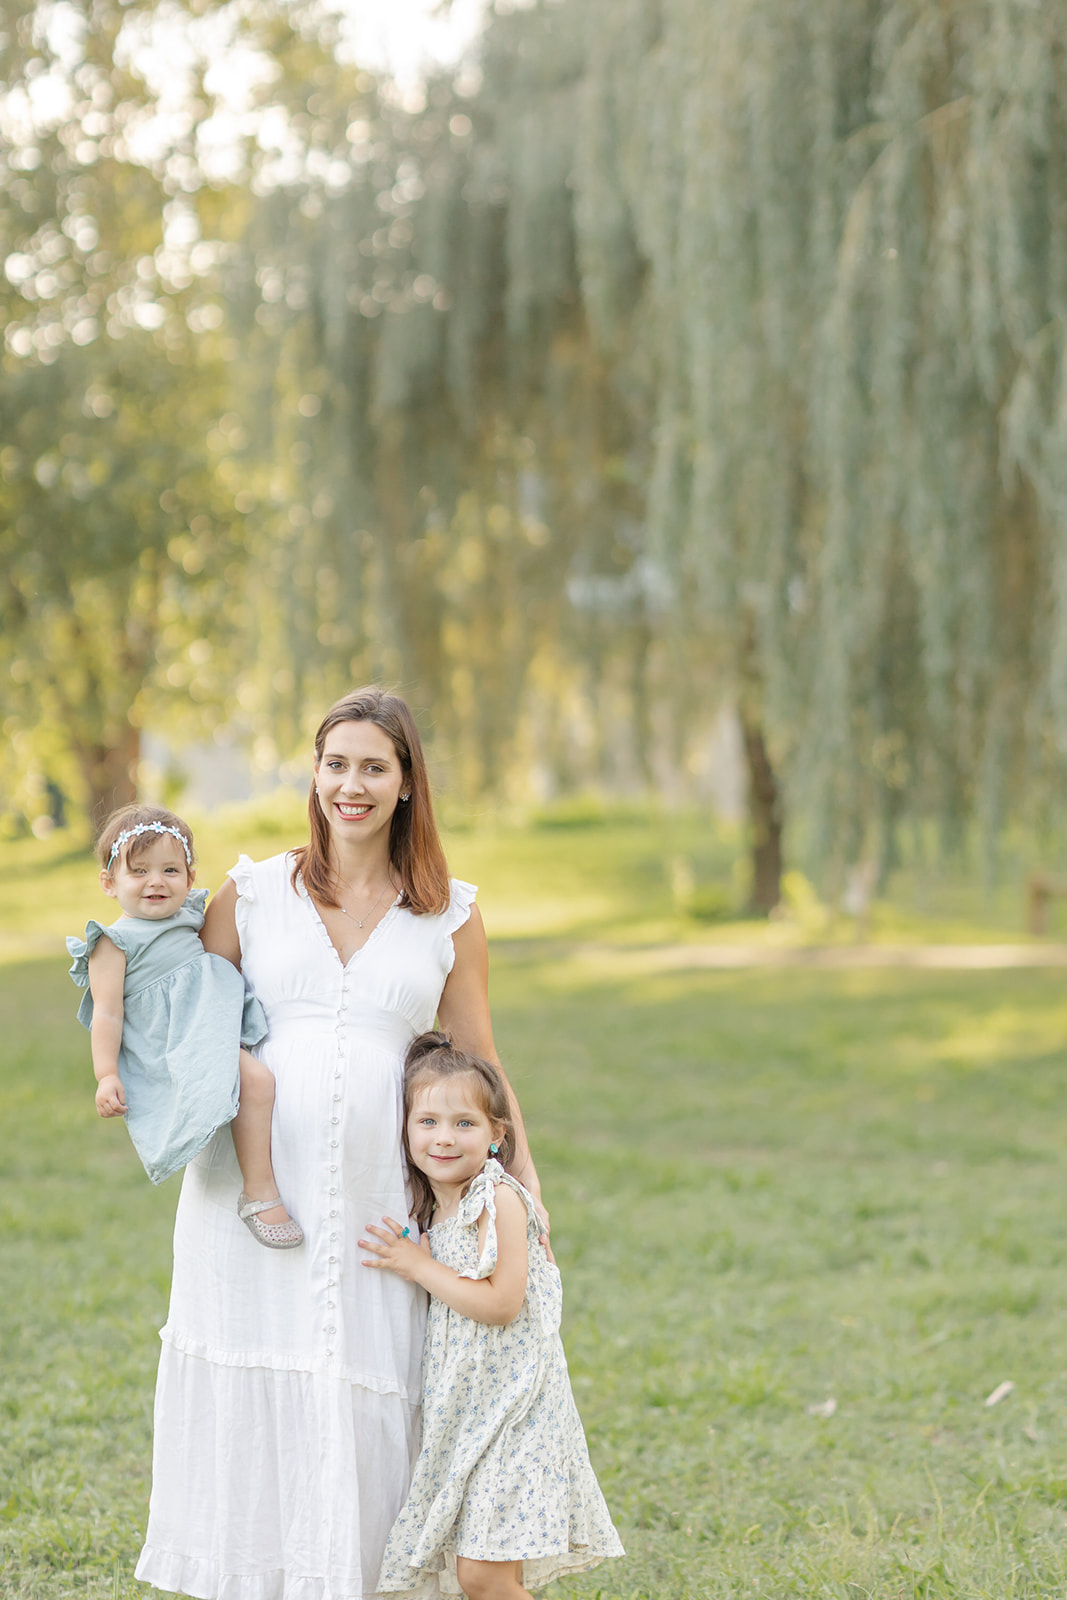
x,y
504,1472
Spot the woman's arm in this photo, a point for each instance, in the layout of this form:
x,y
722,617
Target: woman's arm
x,y
496,1299
464,1014
107,972
219,933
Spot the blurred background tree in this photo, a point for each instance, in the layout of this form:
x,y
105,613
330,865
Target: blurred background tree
x,y
121,545
687,354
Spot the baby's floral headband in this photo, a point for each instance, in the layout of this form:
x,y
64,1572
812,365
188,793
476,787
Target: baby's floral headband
x,y
149,827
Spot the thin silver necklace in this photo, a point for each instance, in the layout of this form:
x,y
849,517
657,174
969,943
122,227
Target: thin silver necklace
x,y
370,913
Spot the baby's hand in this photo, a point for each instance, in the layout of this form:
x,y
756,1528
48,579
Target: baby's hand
x,y
110,1096
395,1249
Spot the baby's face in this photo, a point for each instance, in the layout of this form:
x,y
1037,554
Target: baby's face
x,y
154,884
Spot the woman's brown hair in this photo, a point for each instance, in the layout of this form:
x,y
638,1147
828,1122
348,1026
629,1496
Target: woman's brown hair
x,y
416,854
433,1055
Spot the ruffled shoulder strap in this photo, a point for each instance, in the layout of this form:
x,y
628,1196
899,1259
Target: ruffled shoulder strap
x,y
242,875
457,912
459,906
82,949
481,1196
196,901
265,894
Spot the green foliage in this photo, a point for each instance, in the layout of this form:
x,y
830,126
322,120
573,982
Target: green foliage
x,y
120,542
711,902
699,352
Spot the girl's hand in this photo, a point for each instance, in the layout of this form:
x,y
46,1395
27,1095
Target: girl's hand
x,y
395,1250
110,1096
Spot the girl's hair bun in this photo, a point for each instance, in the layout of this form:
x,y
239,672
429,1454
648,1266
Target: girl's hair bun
x,y
425,1044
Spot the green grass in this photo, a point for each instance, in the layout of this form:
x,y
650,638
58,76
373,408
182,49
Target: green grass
x,y
577,873
768,1189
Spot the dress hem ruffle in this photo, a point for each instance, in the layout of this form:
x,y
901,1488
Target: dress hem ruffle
x,y
175,1573
537,1572
263,1360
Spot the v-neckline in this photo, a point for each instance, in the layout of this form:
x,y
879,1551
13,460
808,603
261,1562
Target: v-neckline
x,y
324,930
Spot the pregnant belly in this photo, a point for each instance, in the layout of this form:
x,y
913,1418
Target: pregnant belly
x,y
337,1118
336,1149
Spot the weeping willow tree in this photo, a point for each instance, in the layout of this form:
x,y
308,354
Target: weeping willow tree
x,y
837,232
704,352
708,352
469,516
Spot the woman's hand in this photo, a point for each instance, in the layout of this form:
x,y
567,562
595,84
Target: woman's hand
x,y
529,1180
546,1228
110,1096
395,1250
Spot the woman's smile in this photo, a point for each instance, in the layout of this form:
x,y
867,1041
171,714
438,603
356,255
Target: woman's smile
x,y
359,777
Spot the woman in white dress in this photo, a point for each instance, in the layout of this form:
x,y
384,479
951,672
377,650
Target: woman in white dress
x,y
286,1416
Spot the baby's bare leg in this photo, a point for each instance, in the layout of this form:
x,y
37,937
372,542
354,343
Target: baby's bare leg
x,y
491,1580
251,1135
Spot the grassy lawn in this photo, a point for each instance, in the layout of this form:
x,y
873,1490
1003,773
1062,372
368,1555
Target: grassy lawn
x,y
613,878
770,1190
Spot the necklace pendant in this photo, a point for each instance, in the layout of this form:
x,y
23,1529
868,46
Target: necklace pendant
x,y
360,922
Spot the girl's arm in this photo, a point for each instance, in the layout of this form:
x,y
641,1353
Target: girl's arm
x,y
496,1299
464,1014
219,933
107,971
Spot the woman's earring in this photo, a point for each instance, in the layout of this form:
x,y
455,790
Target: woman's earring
x,y
316,788
494,1149
405,797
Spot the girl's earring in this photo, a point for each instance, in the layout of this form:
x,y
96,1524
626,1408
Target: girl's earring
x,y
494,1149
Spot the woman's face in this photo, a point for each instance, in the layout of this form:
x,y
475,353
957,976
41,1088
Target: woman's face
x,y
359,780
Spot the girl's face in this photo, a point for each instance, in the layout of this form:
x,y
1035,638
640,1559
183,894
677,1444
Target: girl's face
x,y
449,1133
359,780
154,884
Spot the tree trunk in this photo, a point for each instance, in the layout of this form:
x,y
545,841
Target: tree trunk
x,y
764,820
110,773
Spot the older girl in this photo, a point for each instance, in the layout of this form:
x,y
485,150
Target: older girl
x,y
503,1500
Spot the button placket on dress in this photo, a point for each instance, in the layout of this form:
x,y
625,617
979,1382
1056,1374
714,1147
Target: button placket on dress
x,y
333,1184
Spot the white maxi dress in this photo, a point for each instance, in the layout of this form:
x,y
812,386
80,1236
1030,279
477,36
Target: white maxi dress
x,y
286,1412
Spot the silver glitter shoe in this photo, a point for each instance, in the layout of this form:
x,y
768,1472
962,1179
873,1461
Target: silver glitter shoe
x,y
275,1235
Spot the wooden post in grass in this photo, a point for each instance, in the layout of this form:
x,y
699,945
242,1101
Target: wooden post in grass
x,y
1041,887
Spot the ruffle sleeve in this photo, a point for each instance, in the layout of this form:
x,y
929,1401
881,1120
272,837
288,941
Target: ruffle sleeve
x,y
254,1020
81,950
196,904
243,875
459,910
481,1196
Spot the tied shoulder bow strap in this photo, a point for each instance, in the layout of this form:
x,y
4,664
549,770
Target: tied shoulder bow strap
x,y
481,1196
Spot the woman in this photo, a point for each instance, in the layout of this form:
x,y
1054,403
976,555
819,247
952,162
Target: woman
x,y
286,1407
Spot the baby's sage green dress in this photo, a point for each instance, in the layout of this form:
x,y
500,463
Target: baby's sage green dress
x,y
186,1014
